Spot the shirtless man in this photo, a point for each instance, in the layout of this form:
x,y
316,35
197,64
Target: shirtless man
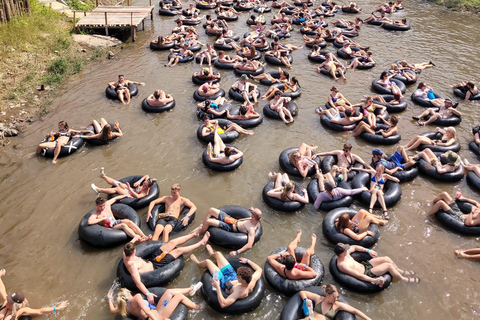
x,y
237,284
345,158
371,270
174,205
444,112
289,268
122,88
245,88
103,216
219,219
332,66
159,99
278,104
165,254
446,203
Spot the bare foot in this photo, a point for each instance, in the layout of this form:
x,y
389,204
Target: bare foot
x,y
204,241
2,272
272,175
197,230
194,258
299,235
249,132
136,239
54,161
314,238
209,249
457,253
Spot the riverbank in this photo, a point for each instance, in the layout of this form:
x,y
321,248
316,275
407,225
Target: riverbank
x,y
37,58
472,6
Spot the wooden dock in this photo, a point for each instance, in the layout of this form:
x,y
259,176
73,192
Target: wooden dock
x,y
114,17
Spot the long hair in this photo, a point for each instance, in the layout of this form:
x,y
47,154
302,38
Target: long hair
x,y
343,222
289,186
106,132
122,298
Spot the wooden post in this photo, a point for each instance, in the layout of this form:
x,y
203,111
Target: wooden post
x,y
128,3
27,6
132,27
106,24
74,22
96,3
8,12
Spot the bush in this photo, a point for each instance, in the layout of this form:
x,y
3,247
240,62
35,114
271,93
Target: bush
x,y
58,66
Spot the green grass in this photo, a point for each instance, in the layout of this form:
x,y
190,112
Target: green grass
x,y
467,5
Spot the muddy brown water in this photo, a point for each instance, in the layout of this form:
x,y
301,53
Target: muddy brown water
x,y
42,204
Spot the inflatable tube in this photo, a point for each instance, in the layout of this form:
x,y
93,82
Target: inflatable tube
x,y
322,44
72,146
250,22
350,34
396,27
246,123
245,305
449,220
184,60
200,81
317,59
404,79
329,161
259,70
98,236
423,102
269,113
224,46
285,164
257,56
459,93
330,231
279,205
112,94
233,240
156,47
300,3
348,10
188,22
474,148
205,6
265,9
293,309
273,74
392,108
378,88
147,108
227,137
404,175
235,95
223,65
232,18
290,287
473,180
157,277
379,139
276,61
327,73
160,208
180,312
354,284
392,192
198,97
334,126
446,122
344,55
99,142
137,203
294,94
221,167
430,171
214,59
239,8
455,147
314,191
226,106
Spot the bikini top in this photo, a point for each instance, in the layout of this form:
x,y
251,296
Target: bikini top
x,y
381,181
63,133
333,98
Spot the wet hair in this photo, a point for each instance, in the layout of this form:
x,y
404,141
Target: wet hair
x,y
128,249
206,105
381,166
100,200
295,81
204,117
289,186
177,186
64,124
384,73
289,262
394,120
277,92
343,222
421,84
252,17
329,289
106,132
156,94
122,298
206,71
404,20
246,274
470,84
348,113
229,151
293,156
208,16
121,75
347,146
315,47
276,38
243,110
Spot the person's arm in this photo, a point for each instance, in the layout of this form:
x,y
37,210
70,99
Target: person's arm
x,y
3,290
93,219
248,245
188,215
357,237
272,260
224,302
456,112
111,306
475,203
358,159
138,282
446,144
152,205
301,199
275,193
330,153
112,84
142,179
115,199
341,192
389,177
134,193
389,133
348,308
27,311
237,155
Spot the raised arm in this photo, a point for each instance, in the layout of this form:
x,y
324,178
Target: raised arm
x,y
26,311
153,204
188,215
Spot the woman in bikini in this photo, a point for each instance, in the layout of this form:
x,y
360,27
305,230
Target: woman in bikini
x,y
284,189
303,158
210,107
127,304
368,109
219,153
209,127
122,88
385,82
357,227
141,188
56,140
467,87
378,178
336,99
288,87
390,131
104,131
448,138
326,307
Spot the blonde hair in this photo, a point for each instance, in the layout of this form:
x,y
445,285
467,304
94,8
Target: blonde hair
x,y
122,298
289,186
329,289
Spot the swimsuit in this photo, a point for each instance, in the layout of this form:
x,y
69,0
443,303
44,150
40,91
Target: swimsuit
x,y
330,314
226,222
368,269
63,133
333,98
226,275
110,222
381,181
219,130
164,257
171,220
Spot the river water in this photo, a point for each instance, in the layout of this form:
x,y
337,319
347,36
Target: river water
x,y
42,204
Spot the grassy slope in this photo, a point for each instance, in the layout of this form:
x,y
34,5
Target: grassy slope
x,y
468,5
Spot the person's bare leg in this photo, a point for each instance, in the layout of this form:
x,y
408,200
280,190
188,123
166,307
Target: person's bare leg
x,y
437,206
176,252
473,253
3,290
373,200
219,257
306,259
157,232
56,152
293,245
166,232
178,298
120,96
236,127
97,127
134,227
212,214
206,264
432,118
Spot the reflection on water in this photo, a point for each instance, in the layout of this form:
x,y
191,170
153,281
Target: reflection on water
x,y
43,204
